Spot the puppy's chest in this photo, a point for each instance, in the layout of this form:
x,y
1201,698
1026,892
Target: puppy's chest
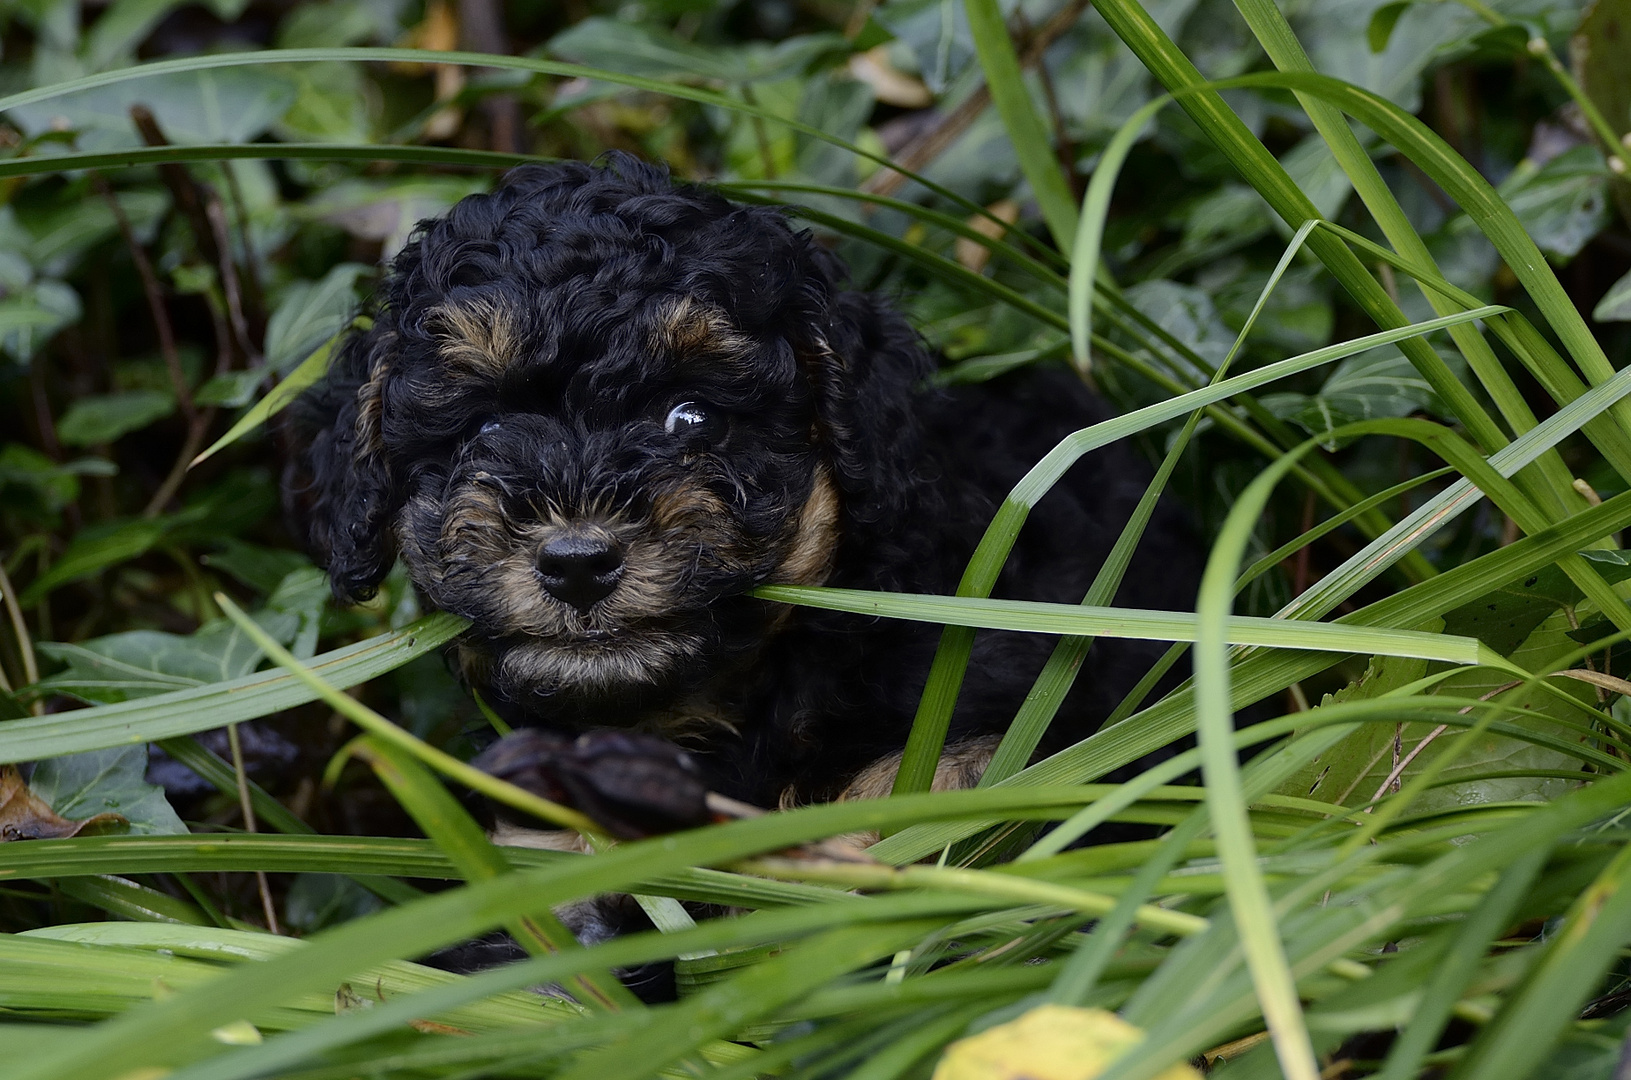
x,y
698,720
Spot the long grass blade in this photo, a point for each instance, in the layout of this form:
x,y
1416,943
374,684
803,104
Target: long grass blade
x,y
184,712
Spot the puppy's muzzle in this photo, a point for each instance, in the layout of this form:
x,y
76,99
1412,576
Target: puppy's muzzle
x,y
580,567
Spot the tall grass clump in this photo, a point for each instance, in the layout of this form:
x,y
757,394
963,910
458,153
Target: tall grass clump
x,y
1351,355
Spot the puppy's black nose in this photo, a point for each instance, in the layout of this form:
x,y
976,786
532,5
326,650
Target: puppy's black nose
x,y
580,568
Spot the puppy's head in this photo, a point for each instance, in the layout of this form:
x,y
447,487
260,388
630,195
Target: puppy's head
x,y
595,409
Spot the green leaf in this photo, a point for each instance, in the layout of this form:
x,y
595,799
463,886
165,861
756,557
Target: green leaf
x,y
333,102
30,317
651,52
98,547
123,27
104,418
1119,622
234,105
310,313
55,485
1372,386
232,389
1336,773
140,663
261,568
317,901
1615,306
106,782
1382,22
311,369
388,211
1563,203
1031,141
1503,617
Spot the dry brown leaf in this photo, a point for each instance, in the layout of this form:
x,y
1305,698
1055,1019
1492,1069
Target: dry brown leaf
x,y
974,254
888,85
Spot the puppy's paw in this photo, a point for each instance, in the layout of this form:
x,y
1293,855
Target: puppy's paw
x,y
632,785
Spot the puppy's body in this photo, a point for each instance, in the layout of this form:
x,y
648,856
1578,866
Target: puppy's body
x,y
597,408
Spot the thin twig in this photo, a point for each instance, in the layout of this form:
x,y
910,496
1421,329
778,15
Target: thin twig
x,y
248,807
190,446
25,644
481,25
254,291
186,192
217,219
155,300
1398,769
1404,763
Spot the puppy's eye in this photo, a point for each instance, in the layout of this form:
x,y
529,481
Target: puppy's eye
x,y
695,424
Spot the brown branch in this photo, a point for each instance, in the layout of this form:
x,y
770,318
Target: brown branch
x,y
25,644
481,23
217,220
254,290
187,193
247,805
155,300
918,153
198,423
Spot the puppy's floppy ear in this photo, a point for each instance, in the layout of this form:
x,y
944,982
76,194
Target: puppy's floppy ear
x,y
864,367
337,487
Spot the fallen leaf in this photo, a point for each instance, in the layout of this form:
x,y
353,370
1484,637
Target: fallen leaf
x,y
972,253
890,86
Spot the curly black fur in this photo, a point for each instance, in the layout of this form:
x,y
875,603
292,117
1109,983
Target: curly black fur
x,y
519,389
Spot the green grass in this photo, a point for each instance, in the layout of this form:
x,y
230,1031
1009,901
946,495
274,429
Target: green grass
x,y
1308,890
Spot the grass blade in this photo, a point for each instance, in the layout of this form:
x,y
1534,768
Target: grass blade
x,y
1032,144
202,708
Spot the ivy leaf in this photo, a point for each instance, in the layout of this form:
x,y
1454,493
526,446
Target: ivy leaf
x,y
1563,203
1373,385
107,782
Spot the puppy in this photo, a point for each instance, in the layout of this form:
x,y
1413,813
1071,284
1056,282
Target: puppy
x,y
597,407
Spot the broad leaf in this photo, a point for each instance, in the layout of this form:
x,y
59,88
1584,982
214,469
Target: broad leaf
x,y
1563,203
1615,306
103,418
657,54
24,815
234,105
310,313
1372,386
106,782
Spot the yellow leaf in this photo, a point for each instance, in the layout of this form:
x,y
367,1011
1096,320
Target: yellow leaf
x,y
1051,1042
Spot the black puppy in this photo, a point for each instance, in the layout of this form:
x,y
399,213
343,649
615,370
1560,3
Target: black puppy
x,y
597,407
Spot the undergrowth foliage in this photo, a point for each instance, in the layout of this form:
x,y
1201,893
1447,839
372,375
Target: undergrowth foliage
x,y
1356,274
